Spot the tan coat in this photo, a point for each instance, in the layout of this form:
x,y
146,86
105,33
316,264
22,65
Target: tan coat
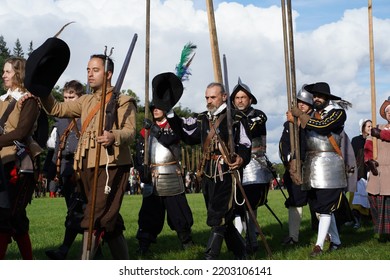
x,y
381,184
81,108
7,148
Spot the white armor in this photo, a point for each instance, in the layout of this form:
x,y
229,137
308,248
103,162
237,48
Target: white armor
x,y
323,168
165,169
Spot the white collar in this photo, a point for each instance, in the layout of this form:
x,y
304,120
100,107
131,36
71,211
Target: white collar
x,y
219,110
16,94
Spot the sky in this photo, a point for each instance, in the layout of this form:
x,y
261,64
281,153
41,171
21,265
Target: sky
x,y
331,44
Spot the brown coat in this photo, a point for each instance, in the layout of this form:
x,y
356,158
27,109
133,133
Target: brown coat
x,y
380,184
81,108
20,124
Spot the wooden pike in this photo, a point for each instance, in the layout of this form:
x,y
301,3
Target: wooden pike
x,y
289,56
372,78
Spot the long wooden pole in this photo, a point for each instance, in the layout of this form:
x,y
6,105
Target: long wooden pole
x,y
372,77
287,70
214,42
97,159
147,55
293,83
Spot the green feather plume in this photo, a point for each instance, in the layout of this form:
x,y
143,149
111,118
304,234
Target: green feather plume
x,y
187,54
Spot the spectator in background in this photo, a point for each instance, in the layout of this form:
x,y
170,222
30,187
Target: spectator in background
x,y
378,184
359,199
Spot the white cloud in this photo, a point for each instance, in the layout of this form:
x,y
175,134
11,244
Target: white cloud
x,y
251,37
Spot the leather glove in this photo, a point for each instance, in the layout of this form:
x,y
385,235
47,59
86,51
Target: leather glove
x,y
147,123
372,166
296,175
296,112
304,119
154,129
376,132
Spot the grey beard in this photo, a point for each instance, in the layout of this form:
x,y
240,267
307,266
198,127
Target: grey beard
x,y
211,109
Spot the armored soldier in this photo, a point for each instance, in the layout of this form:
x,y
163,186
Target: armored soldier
x,y
323,170
164,190
210,129
297,198
256,175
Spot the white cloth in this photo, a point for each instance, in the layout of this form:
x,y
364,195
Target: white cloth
x,y
16,94
51,142
360,197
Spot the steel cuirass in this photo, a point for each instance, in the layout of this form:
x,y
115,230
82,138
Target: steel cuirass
x,y
165,169
257,172
323,167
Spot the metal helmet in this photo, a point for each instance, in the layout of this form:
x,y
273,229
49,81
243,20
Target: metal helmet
x,y
245,88
305,96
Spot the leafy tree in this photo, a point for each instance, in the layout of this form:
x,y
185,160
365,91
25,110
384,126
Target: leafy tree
x,y
18,50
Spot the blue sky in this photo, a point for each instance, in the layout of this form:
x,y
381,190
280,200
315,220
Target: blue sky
x,y
330,41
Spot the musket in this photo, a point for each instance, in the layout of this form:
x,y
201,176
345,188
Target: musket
x,y
122,74
97,159
229,106
112,104
230,155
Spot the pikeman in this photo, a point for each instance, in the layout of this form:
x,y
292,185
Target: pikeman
x,y
257,176
210,129
323,170
164,190
105,177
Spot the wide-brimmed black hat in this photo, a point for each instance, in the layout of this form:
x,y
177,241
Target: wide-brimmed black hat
x,y
321,88
167,90
45,66
245,88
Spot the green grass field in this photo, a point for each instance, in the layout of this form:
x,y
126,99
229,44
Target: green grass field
x,y
47,229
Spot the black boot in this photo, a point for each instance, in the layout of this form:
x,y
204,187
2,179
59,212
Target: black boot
x,y
144,241
118,247
235,242
214,244
58,254
185,239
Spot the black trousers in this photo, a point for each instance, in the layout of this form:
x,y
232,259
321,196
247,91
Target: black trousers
x,y
151,216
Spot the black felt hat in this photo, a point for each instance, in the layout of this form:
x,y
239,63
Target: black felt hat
x,y
244,88
45,66
322,89
167,90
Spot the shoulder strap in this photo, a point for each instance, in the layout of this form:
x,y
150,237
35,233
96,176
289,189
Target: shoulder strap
x,y
211,134
334,144
93,112
7,111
